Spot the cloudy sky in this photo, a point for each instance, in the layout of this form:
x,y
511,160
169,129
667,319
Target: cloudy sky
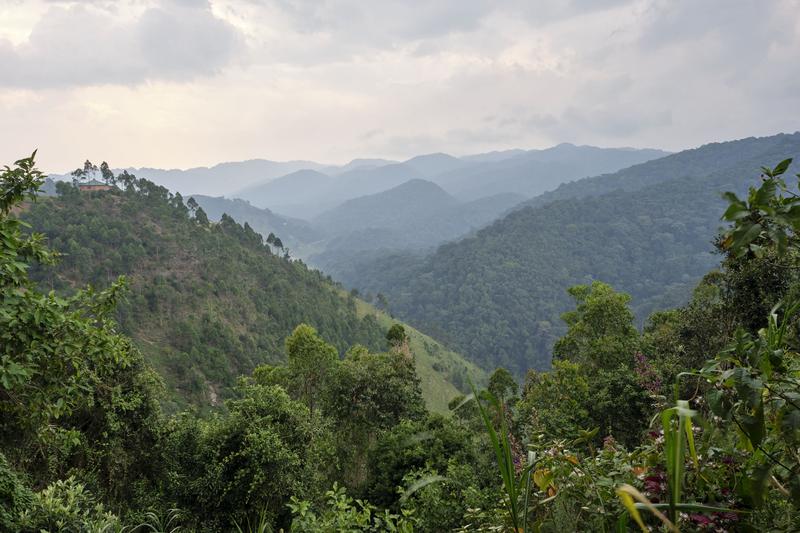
x,y
180,83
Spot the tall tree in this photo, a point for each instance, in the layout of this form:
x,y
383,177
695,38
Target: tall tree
x,y
108,175
600,329
310,362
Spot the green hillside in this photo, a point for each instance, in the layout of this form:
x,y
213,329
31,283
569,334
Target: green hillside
x,y
293,232
207,302
497,296
441,371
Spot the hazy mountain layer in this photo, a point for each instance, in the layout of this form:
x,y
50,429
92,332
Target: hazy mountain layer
x,y
498,295
536,171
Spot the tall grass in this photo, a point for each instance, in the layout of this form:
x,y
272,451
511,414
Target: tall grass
x,y
516,486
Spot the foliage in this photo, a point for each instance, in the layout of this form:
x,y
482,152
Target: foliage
x,y
341,513
67,506
600,331
556,403
15,496
515,474
768,218
374,390
225,469
601,385
73,392
396,336
310,361
502,385
435,446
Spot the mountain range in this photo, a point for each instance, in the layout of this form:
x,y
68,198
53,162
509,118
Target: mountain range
x,y
478,251
497,295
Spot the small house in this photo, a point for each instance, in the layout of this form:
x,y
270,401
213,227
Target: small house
x,y
94,185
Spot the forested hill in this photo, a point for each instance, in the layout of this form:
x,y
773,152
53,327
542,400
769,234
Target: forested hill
x,y
291,231
207,302
498,296
709,158
397,208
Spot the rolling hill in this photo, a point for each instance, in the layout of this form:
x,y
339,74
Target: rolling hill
x,y
497,295
294,194
434,164
416,215
206,303
397,208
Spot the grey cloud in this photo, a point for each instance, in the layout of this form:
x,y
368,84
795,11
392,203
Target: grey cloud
x,y
617,122
726,35
185,42
387,21
610,122
79,45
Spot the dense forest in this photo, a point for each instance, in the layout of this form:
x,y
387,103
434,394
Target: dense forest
x,y
206,302
692,423
497,296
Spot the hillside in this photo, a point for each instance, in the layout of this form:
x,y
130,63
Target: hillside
x,y
497,296
207,303
442,372
396,208
418,217
701,161
292,231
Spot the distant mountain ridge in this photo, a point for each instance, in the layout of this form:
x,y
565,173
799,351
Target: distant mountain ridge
x,y
222,178
648,229
521,172
534,172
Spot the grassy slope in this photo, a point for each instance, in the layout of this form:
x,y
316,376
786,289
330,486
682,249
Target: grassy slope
x,y
436,388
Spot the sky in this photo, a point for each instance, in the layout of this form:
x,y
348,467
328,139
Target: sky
x,y
184,83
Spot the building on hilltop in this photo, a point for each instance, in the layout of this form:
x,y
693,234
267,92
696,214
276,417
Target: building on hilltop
x,y
94,185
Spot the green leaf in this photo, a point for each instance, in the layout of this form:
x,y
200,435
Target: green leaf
x,y
753,425
747,234
627,501
781,167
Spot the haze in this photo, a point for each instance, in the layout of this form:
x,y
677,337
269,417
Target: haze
x,y
182,83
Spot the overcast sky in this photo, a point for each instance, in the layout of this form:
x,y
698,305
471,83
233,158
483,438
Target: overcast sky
x,y
181,83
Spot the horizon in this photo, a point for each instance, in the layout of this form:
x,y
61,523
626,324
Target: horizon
x,y
386,159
